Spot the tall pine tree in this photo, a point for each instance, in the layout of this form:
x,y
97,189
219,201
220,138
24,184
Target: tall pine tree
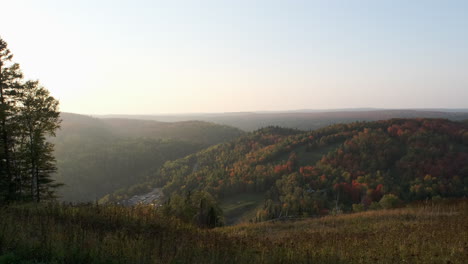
x,y
10,89
38,118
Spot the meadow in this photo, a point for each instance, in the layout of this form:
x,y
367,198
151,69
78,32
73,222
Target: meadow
x,y
242,207
424,232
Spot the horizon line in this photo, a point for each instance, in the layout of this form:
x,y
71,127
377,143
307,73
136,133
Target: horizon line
x,y
306,110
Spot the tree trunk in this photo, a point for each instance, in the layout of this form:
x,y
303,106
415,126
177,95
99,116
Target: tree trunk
x,y
33,170
38,190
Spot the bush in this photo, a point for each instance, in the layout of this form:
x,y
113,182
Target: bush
x,y
389,201
358,208
375,206
437,198
199,207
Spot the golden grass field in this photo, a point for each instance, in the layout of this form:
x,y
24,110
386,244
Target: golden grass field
x,y
425,232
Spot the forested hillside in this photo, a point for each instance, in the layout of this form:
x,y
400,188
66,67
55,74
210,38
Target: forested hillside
x,y
98,156
356,166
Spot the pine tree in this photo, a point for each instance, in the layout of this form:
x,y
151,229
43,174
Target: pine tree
x,y
38,118
10,88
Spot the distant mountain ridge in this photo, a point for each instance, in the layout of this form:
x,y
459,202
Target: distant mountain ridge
x,y
303,119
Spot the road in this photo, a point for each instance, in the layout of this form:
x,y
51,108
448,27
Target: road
x,y
152,198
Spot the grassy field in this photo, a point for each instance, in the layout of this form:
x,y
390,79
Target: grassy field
x,y
422,233
427,233
241,208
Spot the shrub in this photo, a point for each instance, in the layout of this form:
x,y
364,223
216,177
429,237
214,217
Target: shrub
x,y
375,206
389,201
437,198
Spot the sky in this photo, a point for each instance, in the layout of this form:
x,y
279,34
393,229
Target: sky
x,y
153,57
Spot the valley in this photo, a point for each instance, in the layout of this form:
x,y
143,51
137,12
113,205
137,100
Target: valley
x,y
96,156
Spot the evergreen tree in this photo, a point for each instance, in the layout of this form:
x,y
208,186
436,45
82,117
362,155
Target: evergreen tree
x,y
10,88
38,118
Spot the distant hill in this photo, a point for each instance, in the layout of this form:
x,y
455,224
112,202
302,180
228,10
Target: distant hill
x,y
339,167
204,132
305,119
97,156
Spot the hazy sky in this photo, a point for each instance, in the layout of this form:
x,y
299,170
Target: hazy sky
x,y
147,57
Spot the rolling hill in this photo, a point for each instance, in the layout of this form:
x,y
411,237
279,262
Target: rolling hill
x,y
98,156
341,167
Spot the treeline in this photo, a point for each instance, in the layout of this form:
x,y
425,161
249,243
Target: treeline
x,y
28,115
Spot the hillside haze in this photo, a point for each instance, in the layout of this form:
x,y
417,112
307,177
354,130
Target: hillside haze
x,y
98,156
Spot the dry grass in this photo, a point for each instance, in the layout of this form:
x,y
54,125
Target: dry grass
x,y
423,233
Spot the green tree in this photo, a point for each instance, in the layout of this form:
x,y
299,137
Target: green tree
x,y
199,207
28,115
39,117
